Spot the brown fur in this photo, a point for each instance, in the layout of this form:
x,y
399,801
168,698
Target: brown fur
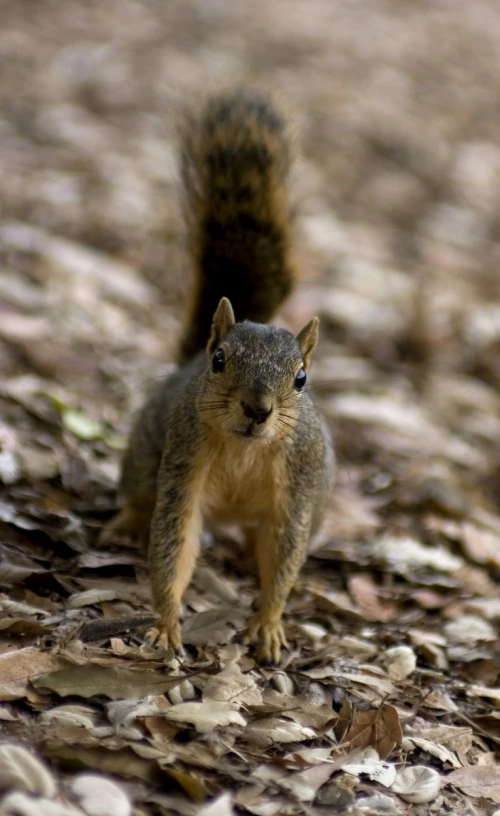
x,y
235,160
233,436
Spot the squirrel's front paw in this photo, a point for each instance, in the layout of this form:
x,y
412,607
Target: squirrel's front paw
x,y
167,635
271,638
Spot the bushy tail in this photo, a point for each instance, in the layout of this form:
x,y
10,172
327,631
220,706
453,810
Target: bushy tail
x,y
234,163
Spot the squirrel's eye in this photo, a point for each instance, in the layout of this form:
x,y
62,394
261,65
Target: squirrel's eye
x,y
218,361
300,379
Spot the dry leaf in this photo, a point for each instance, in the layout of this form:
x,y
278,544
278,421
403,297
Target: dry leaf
x,y
379,729
21,804
72,715
375,769
469,629
269,730
193,786
211,582
488,608
206,716
221,806
232,685
406,553
433,748
378,803
298,708
304,785
417,785
484,691
91,596
401,661
122,762
337,602
90,680
17,667
100,797
477,782
210,627
481,546
369,598
21,770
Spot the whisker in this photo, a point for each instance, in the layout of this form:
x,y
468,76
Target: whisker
x,y
288,416
211,406
285,424
218,416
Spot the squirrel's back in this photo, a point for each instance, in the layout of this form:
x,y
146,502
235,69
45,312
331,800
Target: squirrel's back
x,y
235,160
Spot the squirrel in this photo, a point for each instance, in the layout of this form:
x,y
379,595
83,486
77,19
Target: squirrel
x,y
233,435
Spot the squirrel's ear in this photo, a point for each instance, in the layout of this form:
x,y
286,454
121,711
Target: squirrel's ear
x,y
222,321
308,338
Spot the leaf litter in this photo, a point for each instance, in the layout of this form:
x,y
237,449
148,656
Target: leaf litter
x,y
387,701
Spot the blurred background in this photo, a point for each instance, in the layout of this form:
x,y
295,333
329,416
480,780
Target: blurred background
x,y
398,232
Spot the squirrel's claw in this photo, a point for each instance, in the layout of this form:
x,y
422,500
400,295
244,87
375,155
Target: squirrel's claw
x,y
165,637
271,638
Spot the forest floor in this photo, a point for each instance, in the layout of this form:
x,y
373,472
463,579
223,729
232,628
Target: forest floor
x,y
388,701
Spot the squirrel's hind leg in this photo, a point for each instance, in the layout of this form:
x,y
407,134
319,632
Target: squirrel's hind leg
x,y
130,527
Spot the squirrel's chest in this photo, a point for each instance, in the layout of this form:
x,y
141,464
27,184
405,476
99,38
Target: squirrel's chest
x,y
242,483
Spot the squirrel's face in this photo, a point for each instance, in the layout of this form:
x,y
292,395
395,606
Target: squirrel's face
x,y
256,377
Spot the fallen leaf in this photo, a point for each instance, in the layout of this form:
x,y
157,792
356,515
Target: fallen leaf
x,y
123,762
298,708
378,803
488,608
211,582
484,691
469,629
405,553
115,683
435,749
221,806
450,737
232,685
369,598
21,626
417,785
193,786
80,425
100,797
481,546
210,627
91,596
10,468
270,730
489,722
17,668
375,769
401,661
379,729
22,770
72,715
304,785
22,804
205,716
337,602
477,781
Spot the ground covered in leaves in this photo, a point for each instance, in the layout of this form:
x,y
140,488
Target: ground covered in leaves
x,y
388,700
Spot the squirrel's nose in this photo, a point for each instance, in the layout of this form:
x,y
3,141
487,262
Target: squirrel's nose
x,y
256,411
